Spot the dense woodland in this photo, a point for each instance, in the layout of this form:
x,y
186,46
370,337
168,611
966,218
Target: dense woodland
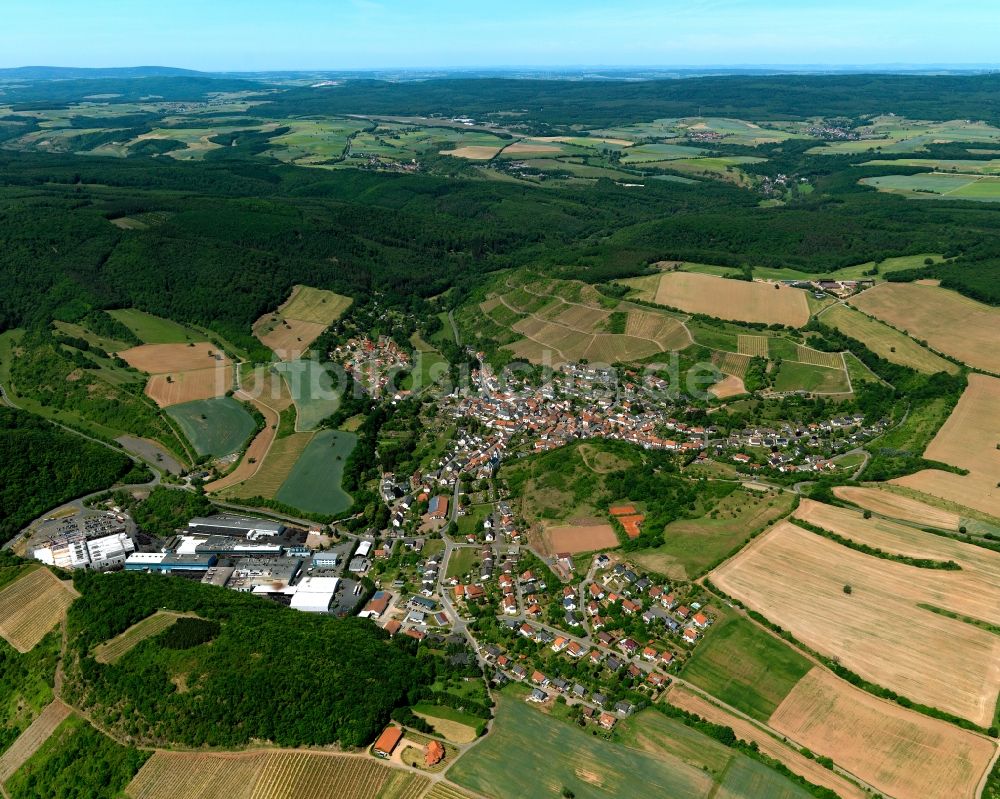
x,y
42,466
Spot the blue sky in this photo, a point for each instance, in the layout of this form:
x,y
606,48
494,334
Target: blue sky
x,y
347,34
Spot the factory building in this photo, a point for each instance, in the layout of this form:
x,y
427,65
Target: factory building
x,y
164,562
240,526
314,594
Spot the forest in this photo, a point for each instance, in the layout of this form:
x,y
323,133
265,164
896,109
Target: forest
x,y
269,673
42,466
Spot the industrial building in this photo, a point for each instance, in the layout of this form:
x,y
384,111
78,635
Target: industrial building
x,y
168,562
241,526
74,551
325,560
314,594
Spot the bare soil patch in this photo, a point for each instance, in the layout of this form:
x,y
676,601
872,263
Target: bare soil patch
x,y
797,580
739,300
901,753
575,538
729,386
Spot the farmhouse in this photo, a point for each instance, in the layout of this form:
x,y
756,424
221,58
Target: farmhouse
x,y
387,741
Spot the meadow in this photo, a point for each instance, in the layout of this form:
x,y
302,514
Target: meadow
x,y
314,390
794,376
314,482
153,329
745,666
941,185
297,323
216,427
877,628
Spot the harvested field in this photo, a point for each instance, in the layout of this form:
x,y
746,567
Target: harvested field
x,y
575,538
531,148
274,471
796,579
738,300
729,386
947,321
831,360
290,339
686,699
162,359
733,364
754,346
901,753
474,152
897,506
181,387
454,731
308,304
31,606
271,775
968,439
31,740
884,341
114,650
615,348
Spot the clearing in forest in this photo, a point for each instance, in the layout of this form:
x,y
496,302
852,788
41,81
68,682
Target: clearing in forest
x,y
31,606
900,752
738,300
300,320
114,650
871,614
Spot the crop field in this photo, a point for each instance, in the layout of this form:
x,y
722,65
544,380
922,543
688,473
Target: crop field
x,y
298,322
693,545
552,754
182,387
271,775
900,752
686,699
793,376
879,630
160,359
885,341
574,538
314,390
114,650
744,666
830,360
669,333
968,439
897,506
31,740
729,386
153,329
967,165
31,606
216,427
941,185
950,323
312,142
754,346
738,300
274,471
314,483
893,134
644,153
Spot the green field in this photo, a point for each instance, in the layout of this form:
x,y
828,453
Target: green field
x,y
644,153
314,484
216,427
314,390
25,680
693,545
313,142
967,166
794,376
429,365
154,329
534,756
462,561
472,521
745,666
939,184
885,341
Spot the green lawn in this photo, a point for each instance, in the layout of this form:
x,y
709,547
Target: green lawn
x,y
690,546
472,521
794,376
217,427
462,561
154,329
745,666
314,484
429,366
314,390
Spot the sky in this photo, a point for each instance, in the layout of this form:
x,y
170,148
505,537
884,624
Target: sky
x,y
249,35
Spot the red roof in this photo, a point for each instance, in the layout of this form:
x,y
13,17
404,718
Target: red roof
x,y
388,740
434,753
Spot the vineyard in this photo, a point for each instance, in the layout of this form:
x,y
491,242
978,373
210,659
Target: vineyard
x,y
754,346
31,740
114,650
444,790
31,606
732,364
831,360
272,775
